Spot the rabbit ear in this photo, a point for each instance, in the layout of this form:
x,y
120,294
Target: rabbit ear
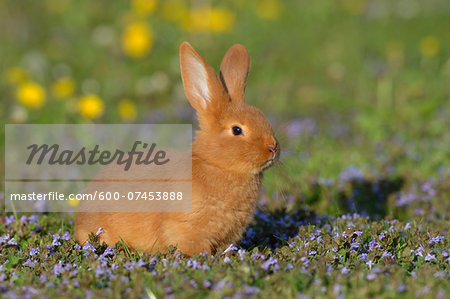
x,y
234,71
201,84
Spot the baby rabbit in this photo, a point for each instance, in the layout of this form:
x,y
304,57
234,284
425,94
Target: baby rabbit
x,y
234,145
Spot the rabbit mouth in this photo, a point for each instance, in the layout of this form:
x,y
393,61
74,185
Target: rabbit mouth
x,y
271,161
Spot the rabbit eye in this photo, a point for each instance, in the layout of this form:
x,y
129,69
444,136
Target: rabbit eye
x,y
237,130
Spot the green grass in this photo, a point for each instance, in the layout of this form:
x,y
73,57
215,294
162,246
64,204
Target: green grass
x,y
358,98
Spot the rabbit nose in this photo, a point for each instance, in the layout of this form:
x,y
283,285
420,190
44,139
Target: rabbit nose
x,y
274,148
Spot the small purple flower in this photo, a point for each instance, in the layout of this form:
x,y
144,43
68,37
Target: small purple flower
x,y
363,257
371,276
55,241
206,284
99,231
370,263
435,240
193,283
24,219
230,248
77,246
66,236
11,242
271,262
430,257
30,263
141,263
88,248
241,253
130,265
407,226
58,269
249,290
9,220
258,255
345,270
387,254
33,219
4,239
227,260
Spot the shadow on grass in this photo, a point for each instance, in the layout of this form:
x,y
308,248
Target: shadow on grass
x,y
273,228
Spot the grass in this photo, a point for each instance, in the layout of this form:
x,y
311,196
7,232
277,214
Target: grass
x,y
357,92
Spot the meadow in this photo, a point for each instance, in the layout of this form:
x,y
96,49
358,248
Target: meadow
x,y
358,94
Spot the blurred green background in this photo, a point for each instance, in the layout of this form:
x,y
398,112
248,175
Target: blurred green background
x,y
354,88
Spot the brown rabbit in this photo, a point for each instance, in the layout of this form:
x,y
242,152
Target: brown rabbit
x,y
234,145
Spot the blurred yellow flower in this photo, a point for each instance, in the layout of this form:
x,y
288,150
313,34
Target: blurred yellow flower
x,y
90,106
354,7
268,9
144,7
57,6
395,53
137,39
174,10
15,75
31,94
429,46
63,88
207,19
127,110
73,202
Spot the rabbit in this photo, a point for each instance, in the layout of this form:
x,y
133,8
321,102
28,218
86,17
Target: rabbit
x,y
233,146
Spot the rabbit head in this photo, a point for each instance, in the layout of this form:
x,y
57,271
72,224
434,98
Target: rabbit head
x,y
233,136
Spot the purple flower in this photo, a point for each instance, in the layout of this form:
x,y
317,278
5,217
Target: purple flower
x,y
99,271
370,263
99,231
77,246
345,271
430,257
193,283
230,248
24,219
206,283
11,242
258,255
298,126
271,262
249,290
227,260
350,173
9,220
374,244
33,219
55,241
4,239
241,253
405,199
407,226
130,265
436,239
58,269
140,263
29,262
387,254
371,276
88,248
363,257
66,236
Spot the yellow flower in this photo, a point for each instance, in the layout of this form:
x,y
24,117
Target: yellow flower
x,y
208,19
354,7
429,46
127,110
16,75
73,202
174,10
63,88
31,94
268,9
137,39
144,7
90,106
